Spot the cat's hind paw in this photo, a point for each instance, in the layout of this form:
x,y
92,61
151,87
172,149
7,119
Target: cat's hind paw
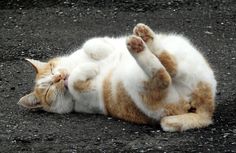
x,y
144,31
135,44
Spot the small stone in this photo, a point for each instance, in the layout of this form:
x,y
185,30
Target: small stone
x,y
99,11
226,135
208,32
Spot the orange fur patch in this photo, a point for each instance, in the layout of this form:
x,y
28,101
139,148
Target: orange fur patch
x,y
121,105
155,89
181,107
82,86
169,63
41,95
47,68
202,99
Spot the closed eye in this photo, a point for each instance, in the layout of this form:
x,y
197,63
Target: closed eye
x,y
45,98
51,67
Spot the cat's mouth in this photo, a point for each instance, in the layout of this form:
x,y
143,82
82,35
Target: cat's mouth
x,y
66,81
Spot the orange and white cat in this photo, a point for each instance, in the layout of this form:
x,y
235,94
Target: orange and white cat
x,y
143,78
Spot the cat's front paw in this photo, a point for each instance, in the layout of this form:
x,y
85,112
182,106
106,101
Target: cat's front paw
x,y
90,70
135,44
144,32
85,72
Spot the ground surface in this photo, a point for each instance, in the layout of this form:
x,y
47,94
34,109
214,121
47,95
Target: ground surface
x,y
44,29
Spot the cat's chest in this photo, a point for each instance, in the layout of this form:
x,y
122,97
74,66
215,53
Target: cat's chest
x,y
87,102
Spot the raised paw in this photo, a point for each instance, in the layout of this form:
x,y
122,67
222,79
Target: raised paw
x,y
90,70
135,44
144,32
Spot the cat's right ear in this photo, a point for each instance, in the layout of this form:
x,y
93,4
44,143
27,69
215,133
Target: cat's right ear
x,y
30,101
36,64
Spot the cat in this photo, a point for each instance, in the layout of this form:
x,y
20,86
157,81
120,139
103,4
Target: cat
x,y
143,78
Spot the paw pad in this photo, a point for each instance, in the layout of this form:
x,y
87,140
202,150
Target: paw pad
x,y
135,44
144,32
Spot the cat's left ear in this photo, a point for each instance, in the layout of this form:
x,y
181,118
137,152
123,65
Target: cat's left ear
x,y
30,101
36,64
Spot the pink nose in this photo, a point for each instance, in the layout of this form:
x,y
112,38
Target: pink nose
x,y
59,77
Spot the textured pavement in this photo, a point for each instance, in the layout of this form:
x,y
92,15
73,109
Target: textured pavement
x,y
45,29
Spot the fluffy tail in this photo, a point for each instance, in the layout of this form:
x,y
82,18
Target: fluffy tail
x,y
185,121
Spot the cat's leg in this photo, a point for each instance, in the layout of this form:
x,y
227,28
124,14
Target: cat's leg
x,y
81,78
149,37
158,81
97,48
151,65
202,104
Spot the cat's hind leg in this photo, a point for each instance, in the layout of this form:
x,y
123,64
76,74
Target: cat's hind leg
x,y
97,48
148,36
155,86
148,62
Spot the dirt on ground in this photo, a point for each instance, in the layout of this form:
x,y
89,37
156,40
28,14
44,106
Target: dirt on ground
x,y
45,29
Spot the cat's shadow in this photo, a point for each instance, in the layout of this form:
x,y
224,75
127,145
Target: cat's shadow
x,y
40,112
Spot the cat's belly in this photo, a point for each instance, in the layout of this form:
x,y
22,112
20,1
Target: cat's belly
x,y
178,93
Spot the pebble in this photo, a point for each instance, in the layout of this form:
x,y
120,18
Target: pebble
x,y
208,32
226,135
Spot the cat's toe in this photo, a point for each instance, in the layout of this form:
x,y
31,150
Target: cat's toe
x,y
144,32
135,44
171,124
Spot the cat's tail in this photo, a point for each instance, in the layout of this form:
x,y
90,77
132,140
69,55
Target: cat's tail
x,y
185,121
202,102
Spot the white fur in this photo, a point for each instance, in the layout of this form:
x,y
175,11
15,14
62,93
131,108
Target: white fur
x,y
111,54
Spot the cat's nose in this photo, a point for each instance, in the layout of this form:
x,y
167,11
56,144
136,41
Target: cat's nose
x,y
59,77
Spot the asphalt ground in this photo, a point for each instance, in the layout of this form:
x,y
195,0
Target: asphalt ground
x,y
45,29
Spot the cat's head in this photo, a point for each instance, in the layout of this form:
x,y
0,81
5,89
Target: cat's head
x,y
50,91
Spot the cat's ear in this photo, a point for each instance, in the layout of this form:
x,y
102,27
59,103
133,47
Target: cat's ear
x,y
30,101
36,64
